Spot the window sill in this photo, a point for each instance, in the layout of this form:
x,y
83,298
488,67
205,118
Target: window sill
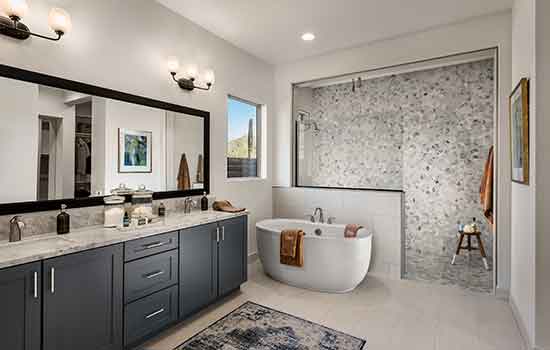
x,y
245,179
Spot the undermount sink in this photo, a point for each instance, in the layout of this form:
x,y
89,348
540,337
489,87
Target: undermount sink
x,y
31,245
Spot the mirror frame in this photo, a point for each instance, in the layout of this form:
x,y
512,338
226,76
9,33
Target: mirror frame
x,y
61,83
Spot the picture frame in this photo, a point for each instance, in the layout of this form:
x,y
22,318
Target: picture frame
x,y
519,132
134,151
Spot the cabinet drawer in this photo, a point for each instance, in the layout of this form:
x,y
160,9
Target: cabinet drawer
x,y
141,248
148,275
149,315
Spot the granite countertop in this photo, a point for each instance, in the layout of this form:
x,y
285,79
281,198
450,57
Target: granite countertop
x,y
51,245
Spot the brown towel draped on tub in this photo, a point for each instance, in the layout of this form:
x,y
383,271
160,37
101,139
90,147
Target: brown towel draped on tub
x,y
292,248
351,230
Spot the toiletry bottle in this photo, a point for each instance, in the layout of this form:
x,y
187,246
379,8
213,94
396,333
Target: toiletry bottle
x,y
204,202
63,221
162,210
474,225
126,220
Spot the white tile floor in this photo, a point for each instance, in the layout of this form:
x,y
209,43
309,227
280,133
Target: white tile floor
x,y
388,314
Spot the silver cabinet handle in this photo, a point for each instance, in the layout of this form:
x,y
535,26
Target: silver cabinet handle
x,y
36,285
154,245
223,233
217,234
154,314
154,274
52,279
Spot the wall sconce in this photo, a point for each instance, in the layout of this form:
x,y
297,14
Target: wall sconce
x,y
59,21
191,74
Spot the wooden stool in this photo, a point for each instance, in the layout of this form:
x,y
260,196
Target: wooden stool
x,y
469,247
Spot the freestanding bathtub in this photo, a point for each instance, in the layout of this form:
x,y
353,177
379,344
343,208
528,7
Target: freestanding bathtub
x,y
332,263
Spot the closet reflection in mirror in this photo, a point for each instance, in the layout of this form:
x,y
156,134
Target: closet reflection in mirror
x,y
58,144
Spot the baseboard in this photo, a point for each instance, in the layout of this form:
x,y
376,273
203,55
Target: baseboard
x,y
252,257
522,329
502,294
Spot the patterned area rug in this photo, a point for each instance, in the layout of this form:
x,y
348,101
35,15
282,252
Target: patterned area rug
x,y
256,327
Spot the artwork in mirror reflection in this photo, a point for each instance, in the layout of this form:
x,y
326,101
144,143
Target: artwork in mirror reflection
x,y
57,144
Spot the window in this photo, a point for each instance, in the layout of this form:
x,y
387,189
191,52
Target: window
x,y
243,128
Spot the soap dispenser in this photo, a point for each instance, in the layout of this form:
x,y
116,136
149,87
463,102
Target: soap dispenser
x,y
204,202
63,221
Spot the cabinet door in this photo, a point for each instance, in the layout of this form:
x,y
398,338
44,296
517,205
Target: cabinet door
x,y
83,300
20,304
232,254
198,268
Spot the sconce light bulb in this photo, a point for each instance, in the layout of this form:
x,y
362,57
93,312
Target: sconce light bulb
x,y
173,64
209,77
191,71
14,8
59,21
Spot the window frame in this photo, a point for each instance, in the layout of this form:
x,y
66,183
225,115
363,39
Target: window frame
x,y
259,141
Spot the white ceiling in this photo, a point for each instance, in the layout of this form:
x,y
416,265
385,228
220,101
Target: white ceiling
x,y
271,29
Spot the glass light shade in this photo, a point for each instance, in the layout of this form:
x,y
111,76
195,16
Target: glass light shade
x,y
17,8
60,20
308,36
173,64
209,76
191,71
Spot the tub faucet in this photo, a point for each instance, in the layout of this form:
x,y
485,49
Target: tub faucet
x,y
321,217
16,227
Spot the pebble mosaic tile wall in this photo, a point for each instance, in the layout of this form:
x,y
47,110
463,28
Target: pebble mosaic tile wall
x,y
427,133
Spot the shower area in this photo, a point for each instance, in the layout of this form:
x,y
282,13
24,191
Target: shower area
x,y
421,129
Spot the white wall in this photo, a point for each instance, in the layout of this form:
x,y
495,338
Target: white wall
x,y
380,212
475,34
18,140
522,288
542,158
123,45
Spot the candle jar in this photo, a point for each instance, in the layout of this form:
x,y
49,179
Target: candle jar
x,y
114,211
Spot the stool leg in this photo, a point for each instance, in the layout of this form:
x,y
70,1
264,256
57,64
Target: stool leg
x,y
482,251
458,248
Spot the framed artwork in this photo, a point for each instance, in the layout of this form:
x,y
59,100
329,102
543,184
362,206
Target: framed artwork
x,y
519,132
134,151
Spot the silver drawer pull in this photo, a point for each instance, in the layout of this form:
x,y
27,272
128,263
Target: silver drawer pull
x,y
154,274
36,285
223,233
154,314
154,245
52,279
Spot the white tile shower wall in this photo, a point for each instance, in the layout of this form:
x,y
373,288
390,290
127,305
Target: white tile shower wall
x,y
380,212
426,132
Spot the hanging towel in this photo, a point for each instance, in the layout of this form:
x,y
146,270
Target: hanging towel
x,y
82,154
226,206
292,248
351,230
200,172
486,188
184,182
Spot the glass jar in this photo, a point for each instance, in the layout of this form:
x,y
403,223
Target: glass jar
x,y
142,203
114,211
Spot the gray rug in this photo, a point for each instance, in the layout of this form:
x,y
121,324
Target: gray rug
x,y
257,327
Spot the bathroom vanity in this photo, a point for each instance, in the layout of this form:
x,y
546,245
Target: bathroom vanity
x,y
112,289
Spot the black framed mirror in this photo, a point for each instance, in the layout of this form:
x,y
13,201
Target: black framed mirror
x,y
66,142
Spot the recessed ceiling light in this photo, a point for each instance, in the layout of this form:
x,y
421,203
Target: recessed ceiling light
x,y
308,36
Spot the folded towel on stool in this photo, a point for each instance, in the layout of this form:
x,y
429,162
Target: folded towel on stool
x,y
226,206
351,230
292,248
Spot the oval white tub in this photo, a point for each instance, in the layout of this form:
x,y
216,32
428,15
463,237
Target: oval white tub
x,y
332,263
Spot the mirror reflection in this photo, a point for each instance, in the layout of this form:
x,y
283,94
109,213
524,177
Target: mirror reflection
x,y
58,144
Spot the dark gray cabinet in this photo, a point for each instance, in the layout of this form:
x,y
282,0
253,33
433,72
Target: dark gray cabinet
x,y
213,262
198,268
20,307
83,300
232,256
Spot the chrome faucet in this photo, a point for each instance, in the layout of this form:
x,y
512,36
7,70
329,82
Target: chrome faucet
x,y
321,217
16,228
188,204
